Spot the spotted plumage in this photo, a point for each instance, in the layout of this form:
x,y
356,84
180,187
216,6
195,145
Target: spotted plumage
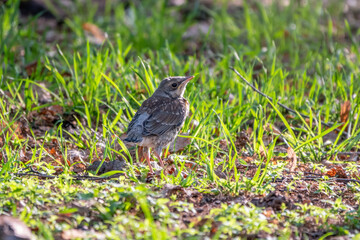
x,y
160,117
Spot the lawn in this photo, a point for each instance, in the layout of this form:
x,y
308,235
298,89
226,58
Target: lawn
x,y
270,149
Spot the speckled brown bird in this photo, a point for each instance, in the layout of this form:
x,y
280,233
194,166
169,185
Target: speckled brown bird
x,y
160,117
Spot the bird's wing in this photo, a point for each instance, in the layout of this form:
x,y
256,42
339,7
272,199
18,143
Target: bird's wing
x,y
136,126
165,115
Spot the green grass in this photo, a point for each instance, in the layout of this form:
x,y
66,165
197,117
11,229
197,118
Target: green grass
x,y
302,55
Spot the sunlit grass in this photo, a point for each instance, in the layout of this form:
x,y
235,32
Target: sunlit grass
x,y
291,53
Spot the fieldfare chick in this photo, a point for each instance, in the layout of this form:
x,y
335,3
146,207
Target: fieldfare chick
x,y
160,117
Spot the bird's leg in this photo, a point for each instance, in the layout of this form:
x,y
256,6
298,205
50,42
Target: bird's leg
x,y
147,156
141,153
157,154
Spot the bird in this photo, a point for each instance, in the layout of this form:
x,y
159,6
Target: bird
x,y
160,117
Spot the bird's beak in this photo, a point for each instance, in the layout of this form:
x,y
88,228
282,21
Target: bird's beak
x,y
187,79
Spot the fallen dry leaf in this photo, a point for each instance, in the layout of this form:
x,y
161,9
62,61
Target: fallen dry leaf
x,y
331,172
272,129
268,212
293,159
214,228
15,129
94,33
73,234
169,170
345,111
52,151
263,152
336,171
13,228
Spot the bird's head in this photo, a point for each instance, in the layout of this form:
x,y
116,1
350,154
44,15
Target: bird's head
x,y
173,87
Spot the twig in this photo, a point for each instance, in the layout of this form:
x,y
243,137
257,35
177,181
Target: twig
x,y
36,175
76,177
308,173
280,104
345,180
309,178
31,169
312,173
250,166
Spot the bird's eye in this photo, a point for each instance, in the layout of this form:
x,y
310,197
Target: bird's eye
x,y
174,85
